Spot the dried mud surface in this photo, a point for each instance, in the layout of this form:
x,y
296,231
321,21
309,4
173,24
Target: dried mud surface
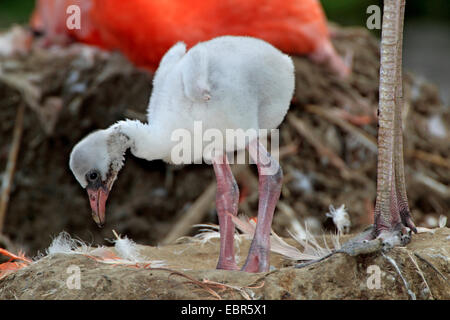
x,y
190,272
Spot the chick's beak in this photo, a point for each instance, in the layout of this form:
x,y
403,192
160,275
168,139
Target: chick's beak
x,y
97,199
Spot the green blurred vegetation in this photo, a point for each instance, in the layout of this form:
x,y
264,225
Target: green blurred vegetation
x,y
353,12
345,12
15,11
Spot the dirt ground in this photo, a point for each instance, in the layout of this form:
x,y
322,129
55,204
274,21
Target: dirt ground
x,y
328,147
189,274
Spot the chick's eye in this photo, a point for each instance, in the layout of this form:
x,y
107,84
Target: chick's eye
x,y
93,176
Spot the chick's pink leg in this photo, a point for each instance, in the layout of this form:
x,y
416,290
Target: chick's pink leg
x,y
270,178
227,198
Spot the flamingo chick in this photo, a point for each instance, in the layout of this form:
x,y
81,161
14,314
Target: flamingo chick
x,y
226,83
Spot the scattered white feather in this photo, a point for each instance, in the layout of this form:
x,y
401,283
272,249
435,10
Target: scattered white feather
x,y
311,246
101,252
313,224
416,87
442,221
312,250
280,246
425,230
431,221
206,236
436,126
129,253
211,231
302,182
245,225
340,217
298,229
64,243
16,40
336,241
127,249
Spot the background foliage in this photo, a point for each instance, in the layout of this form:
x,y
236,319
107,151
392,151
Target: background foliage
x,y
345,12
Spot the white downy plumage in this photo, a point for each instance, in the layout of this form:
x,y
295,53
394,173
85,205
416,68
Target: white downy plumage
x,y
127,251
64,243
226,83
340,217
210,231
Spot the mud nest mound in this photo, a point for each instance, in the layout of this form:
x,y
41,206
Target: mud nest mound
x,y
418,271
328,147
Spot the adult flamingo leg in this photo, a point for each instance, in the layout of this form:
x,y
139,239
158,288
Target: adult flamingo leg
x,y
392,214
399,170
270,179
227,199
